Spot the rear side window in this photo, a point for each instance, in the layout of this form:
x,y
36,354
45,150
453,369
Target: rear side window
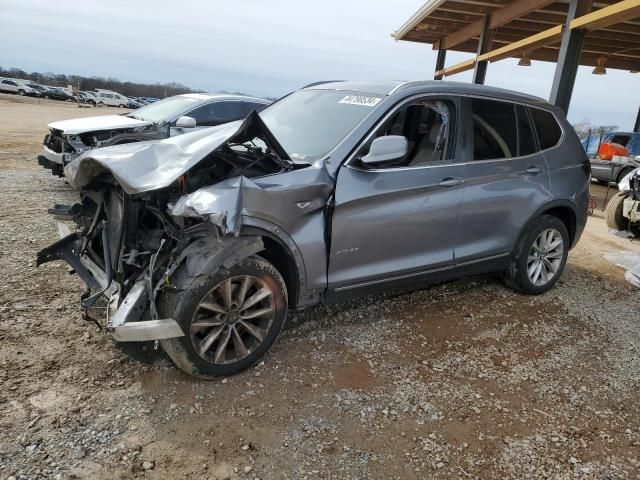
x,y
495,134
549,132
526,137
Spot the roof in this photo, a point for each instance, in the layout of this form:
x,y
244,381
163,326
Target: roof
x,y
531,27
229,96
427,86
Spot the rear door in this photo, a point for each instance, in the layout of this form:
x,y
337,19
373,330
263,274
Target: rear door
x,y
399,221
506,179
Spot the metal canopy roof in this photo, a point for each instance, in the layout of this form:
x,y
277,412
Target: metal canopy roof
x,y
527,27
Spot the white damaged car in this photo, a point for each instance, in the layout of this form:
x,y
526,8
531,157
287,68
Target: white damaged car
x,y
68,139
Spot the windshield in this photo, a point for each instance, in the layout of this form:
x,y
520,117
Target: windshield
x,y
309,123
163,110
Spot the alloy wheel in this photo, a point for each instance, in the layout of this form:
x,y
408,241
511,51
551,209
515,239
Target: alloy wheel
x,y
545,257
232,319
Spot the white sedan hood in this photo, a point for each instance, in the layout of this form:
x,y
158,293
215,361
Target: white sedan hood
x,y
101,122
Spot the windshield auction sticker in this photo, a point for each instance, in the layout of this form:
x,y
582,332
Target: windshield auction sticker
x,y
360,100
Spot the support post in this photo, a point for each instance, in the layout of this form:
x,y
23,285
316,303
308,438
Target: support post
x,y
484,45
569,56
636,129
442,56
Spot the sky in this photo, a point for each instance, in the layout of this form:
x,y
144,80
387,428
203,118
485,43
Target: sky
x,y
265,48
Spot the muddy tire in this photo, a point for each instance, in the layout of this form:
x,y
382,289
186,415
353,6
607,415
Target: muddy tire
x,y
613,213
230,318
540,256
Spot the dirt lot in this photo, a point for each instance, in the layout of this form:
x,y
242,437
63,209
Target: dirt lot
x,y
463,380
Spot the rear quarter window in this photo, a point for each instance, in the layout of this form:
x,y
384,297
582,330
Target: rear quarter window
x,y
549,132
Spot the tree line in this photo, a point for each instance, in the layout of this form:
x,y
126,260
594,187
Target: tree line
x,y
79,82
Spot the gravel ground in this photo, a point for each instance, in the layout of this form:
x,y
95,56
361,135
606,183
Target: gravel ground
x,y
462,380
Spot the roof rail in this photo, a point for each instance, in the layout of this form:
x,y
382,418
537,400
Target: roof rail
x,y
314,84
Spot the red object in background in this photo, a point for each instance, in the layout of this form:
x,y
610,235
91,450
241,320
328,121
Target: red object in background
x,y
608,150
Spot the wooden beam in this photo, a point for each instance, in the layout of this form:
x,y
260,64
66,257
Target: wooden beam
x,y
457,68
549,36
498,18
607,16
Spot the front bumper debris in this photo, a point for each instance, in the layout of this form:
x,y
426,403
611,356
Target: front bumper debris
x,y
124,322
55,168
125,325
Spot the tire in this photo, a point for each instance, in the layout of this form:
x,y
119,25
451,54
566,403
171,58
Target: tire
x,y
229,330
525,258
21,93
613,213
121,106
623,173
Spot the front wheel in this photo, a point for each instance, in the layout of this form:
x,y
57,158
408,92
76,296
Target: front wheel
x,y
21,92
539,257
230,318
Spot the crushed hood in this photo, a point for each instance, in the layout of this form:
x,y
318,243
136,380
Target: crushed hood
x,y
145,166
101,122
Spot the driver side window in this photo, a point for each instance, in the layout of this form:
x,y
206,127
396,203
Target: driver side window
x,y
427,126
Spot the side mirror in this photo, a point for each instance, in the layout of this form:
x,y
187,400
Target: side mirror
x,y
386,149
186,122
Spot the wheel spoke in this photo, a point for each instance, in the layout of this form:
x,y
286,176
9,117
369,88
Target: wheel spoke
x,y
531,259
257,313
238,344
532,268
222,346
244,288
213,306
555,254
206,322
553,245
209,339
536,273
551,267
256,297
225,289
252,330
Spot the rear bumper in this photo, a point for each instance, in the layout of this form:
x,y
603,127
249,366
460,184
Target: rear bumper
x,y
124,320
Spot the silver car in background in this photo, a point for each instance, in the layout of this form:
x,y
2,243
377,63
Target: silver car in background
x,y
68,139
201,243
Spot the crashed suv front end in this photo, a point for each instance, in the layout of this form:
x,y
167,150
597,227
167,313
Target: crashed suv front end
x,y
137,225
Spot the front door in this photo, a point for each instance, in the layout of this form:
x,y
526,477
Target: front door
x,y
397,221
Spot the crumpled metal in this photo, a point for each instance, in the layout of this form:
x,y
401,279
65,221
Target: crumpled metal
x,y
145,166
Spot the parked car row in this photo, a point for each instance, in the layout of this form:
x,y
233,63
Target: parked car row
x,y
97,97
200,243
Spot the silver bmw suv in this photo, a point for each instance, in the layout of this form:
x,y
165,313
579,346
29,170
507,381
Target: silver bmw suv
x,y
199,244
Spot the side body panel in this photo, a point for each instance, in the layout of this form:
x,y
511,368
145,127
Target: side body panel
x,y
569,170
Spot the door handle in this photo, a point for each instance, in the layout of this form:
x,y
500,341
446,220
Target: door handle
x,y
449,182
533,170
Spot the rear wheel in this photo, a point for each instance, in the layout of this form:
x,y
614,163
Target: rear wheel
x,y
540,256
613,213
21,92
230,318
